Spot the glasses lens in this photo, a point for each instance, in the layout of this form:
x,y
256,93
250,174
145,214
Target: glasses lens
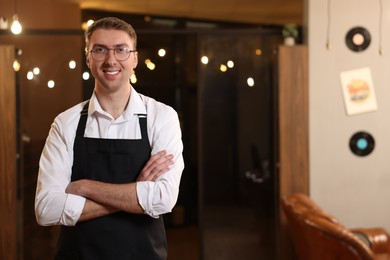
x,y
122,54
99,54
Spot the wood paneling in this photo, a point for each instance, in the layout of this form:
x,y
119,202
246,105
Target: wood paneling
x,y
293,131
293,120
8,161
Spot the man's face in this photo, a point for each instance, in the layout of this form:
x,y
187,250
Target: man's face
x,y
111,74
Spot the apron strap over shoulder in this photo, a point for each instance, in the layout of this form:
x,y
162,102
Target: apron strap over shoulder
x,y
83,120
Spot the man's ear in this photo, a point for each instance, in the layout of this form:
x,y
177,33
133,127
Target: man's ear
x,y
135,59
87,59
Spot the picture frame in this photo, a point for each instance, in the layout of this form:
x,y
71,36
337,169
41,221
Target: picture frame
x,y
358,91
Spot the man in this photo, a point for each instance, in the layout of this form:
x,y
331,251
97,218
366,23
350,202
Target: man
x,y
97,177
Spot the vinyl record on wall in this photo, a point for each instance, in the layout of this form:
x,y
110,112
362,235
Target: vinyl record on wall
x,y
358,39
362,143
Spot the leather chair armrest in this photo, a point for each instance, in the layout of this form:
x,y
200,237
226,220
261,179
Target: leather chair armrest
x,y
378,238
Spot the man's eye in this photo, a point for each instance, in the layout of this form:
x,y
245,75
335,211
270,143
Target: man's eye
x,y
121,50
99,50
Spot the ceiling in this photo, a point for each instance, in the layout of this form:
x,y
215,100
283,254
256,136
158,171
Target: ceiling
x,y
274,12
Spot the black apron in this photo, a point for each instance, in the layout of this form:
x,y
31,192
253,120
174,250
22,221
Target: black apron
x,y
120,235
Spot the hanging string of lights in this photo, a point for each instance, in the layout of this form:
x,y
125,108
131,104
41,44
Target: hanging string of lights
x,y
16,27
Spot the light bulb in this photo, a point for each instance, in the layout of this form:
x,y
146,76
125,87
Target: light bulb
x,y
16,27
16,65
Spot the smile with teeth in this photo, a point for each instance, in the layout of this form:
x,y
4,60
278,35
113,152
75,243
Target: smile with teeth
x,y
111,72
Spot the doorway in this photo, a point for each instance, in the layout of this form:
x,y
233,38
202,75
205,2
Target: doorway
x,y
237,201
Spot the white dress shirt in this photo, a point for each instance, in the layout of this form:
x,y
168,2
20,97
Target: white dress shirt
x,y
55,207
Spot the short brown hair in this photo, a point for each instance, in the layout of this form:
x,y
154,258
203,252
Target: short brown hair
x,y
111,23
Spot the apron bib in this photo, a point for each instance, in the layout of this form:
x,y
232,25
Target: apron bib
x,y
120,235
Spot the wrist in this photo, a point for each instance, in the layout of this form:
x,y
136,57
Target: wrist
x,y
84,187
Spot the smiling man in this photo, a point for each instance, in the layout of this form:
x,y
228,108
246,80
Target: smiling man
x,y
111,165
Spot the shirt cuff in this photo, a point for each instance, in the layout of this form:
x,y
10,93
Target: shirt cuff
x,y
145,197
72,211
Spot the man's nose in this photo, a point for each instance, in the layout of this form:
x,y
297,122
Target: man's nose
x,y
111,55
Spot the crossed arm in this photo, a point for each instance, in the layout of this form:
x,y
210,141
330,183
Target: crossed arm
x,y
106,198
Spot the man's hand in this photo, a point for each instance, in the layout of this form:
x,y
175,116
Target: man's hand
x,y
157,165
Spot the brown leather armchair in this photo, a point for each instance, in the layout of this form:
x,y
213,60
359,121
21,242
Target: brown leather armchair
x,y
318,235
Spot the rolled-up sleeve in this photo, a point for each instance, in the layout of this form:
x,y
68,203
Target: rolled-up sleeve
x,y
164,132
52,205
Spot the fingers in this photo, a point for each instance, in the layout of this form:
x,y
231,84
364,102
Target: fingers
x,y
154,159
153,175
157,165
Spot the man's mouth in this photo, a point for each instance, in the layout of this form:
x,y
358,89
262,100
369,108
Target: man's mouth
x,y
109,72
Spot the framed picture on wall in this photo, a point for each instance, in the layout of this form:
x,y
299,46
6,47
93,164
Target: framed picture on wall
x,y
358,91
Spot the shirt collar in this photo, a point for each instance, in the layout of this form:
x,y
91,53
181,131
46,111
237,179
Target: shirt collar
x,y
135,106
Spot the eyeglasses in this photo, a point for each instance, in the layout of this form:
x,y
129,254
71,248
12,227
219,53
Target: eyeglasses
x,y
100,53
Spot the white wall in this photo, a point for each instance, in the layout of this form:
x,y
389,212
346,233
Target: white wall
x,y
354,189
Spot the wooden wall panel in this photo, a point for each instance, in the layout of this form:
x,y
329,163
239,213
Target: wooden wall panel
x,y
293,132
293,120
8,150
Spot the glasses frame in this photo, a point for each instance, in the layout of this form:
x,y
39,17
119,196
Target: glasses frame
x,y
129,51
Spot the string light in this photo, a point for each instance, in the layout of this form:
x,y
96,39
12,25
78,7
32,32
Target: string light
x,y
16,27
51,84
204,59
72,64
86,75
16,65
36,71
161,52
250,81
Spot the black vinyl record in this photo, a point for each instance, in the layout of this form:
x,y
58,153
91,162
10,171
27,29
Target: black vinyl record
x,y
358,39
362,143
